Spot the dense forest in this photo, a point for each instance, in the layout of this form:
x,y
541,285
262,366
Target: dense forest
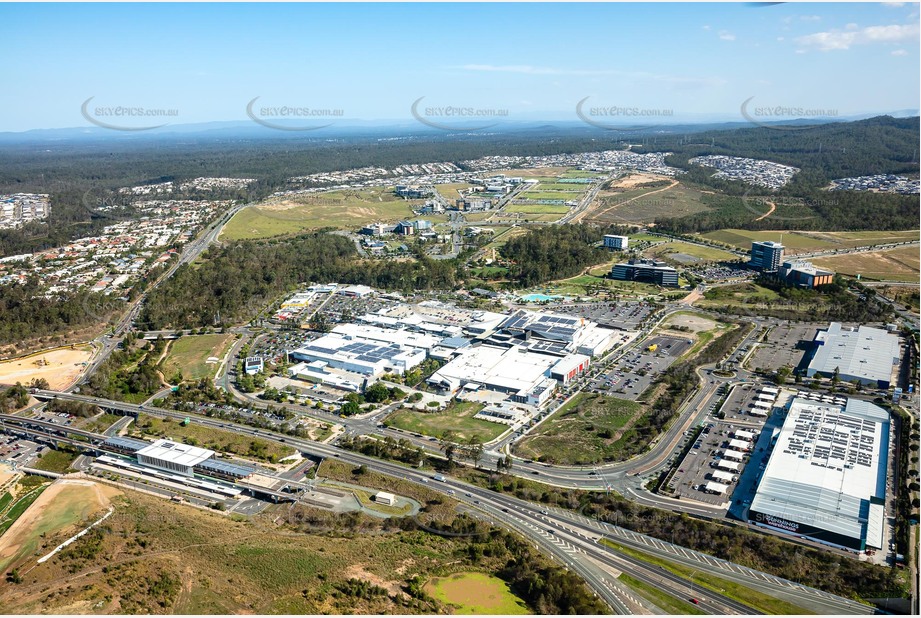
x,y
553,252
129,374
25,313
238,279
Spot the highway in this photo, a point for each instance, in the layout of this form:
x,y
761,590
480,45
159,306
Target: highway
x,y
625,477
563,541
107,343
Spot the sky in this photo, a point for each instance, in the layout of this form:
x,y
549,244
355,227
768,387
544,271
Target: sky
x,y
207,62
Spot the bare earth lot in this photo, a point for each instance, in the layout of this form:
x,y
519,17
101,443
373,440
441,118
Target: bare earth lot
x,y
60,367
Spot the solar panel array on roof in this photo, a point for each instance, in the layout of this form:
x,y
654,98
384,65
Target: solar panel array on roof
x,y
371,352
558,320
226,467
556,348
515,321
126,443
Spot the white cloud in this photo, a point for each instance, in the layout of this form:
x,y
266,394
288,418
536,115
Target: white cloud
x,y
841,40
899,52
810,18
893,5
706,27
727,36
780,38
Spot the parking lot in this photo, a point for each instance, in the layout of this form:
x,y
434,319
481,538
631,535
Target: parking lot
x,y
14,450
739,402
702,462
273,347
58,418
635,372
751,476
723,272
785,344
626,315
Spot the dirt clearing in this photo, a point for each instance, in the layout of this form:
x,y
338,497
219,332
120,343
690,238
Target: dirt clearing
x,y
60,367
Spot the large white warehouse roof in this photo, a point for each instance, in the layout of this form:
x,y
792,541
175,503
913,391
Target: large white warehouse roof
x,y
827,472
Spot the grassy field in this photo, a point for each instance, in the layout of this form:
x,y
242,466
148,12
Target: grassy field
x,y
628,204
214,439
451,191
489,272
738,294
100,423
540,209
579,174
17,508
860,239
538,173
731,589
584,431
344,208
646,237
566,187
537,194
793,242
662,599
52,509
583,285
704,254
476,593
457,418
900,264
189,355
55,461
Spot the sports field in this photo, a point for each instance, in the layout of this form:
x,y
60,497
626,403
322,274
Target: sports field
x,y
343,208
63,504
60,367
540,209
900,264
539,194
189,355
457,418
476,593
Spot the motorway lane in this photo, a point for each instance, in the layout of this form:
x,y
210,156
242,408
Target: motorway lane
x,y
392,469
109,342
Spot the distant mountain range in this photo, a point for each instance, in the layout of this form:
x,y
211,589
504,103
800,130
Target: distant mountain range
x,y
351,128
